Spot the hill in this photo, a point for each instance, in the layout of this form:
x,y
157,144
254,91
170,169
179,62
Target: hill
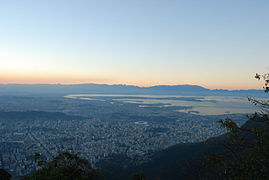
x,y
171,163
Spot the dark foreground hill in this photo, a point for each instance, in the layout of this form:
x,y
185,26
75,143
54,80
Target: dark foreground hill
x,y
241,153
189,161
166,164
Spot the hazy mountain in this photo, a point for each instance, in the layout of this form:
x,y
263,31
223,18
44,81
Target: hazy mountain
x,y
58,89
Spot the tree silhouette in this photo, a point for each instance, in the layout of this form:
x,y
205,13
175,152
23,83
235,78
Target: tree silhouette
x,y
65,166
139,176
265,77
4,175
245,153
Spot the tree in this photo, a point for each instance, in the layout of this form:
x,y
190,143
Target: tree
x,y
265,77
245,153
4,175
65,166
139,176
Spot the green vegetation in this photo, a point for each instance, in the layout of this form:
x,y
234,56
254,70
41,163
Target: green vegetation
x,y
241,153
4,175
139,176
65,166
265,77
245,152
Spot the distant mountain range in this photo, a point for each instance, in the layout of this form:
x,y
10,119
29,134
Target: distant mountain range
x,y
59,89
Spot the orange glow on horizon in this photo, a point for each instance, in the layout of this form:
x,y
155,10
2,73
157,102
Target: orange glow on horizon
x,y
45,78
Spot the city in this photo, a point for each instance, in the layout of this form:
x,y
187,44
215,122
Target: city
x,y
94,130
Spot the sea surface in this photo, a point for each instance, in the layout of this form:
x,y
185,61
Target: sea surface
x,y
203,105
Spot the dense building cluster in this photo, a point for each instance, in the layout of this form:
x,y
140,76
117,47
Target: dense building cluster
x,y
131,130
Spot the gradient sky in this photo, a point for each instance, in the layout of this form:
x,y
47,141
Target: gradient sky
x,y
212,43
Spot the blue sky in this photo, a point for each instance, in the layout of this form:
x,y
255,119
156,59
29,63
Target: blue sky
x,y
216,44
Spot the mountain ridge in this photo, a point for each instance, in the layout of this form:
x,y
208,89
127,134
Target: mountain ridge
x,y
62,89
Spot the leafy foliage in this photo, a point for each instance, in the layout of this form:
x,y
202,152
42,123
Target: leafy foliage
x,y
265,77
139,176
65,166
246,148
4,175
246,152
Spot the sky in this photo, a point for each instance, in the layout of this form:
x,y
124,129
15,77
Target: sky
x,y
216,44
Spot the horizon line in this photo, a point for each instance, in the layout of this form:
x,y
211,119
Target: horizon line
x,y
70,84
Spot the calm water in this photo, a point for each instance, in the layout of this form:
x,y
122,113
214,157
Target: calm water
x,y
204,105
